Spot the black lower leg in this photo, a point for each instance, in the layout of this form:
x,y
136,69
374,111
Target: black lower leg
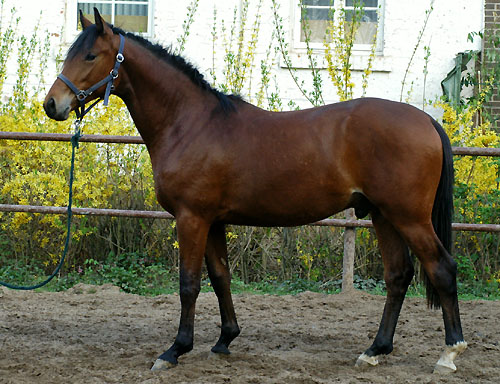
x,y
229,327
444,280
183,343
383,343
218,271
228,334
398,272
441,271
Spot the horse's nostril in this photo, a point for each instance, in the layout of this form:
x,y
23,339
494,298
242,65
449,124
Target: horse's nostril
x,y
50,107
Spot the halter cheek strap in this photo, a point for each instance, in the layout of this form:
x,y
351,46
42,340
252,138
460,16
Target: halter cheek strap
x,y
81,95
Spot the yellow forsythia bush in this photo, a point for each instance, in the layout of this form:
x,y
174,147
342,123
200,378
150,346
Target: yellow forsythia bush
x,y
477,195
476,177
37,173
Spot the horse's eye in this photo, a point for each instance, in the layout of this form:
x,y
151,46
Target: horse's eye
x,y
90,57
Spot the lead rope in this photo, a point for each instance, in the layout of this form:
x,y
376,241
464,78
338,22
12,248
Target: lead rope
x,y
74,145
81,111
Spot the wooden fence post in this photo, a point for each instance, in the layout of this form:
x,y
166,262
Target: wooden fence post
x,y
349,250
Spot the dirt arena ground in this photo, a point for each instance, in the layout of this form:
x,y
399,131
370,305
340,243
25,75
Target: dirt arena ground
x,y
101,335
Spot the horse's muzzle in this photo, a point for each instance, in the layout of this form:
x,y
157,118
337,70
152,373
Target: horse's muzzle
x,y
56,111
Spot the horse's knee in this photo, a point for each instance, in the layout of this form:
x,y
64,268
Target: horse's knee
x,y
397,281
189,290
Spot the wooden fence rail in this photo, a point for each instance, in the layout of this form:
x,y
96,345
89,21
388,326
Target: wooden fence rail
x,y
350,223
345,223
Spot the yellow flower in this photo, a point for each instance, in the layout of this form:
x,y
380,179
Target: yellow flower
x,y
231,235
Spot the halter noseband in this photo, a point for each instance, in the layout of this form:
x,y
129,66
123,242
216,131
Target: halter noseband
x,y
81,94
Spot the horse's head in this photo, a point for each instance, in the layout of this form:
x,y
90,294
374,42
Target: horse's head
x,y
87,63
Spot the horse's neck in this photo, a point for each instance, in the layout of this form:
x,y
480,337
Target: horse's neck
x,y
157,95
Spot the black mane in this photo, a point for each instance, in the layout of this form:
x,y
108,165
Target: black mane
x,y
88,36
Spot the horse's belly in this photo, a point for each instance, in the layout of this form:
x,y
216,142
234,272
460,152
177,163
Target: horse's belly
x,y
285,210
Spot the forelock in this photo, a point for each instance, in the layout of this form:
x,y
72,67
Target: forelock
x,y
83,42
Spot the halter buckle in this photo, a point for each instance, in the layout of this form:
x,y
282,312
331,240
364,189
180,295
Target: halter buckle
x,y
114,73
82,95
120,58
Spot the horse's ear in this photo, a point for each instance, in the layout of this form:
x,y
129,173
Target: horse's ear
x,y
100,23
84,21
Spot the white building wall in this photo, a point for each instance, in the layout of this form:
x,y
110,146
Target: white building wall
x,y
446,34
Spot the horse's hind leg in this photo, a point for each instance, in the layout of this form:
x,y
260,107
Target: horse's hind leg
x,y
398,272
218,271
441,270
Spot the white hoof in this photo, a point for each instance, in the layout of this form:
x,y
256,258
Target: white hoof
x,y
366,361
162,365
445,364
444,368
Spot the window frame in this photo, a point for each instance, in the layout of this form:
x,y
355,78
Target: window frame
x,y
72,16
318,46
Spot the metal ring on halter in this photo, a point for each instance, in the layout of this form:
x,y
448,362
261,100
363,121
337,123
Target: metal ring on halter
x,y
82,95
114,74
120,58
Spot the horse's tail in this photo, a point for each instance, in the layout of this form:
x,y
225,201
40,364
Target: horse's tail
x,y
442,211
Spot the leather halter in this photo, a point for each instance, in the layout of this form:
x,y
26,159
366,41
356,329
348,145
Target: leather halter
x,y
81,95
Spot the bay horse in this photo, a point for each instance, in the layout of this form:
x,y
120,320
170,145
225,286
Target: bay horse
x,y
219,160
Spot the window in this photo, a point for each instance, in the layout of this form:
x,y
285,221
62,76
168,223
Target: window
x,y
315,15
130,15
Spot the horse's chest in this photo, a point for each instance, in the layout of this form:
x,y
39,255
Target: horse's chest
x,y
177,187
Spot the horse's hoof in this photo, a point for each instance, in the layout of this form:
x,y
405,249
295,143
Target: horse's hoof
x,y
445,363
162,365
366,361
220,349
444,369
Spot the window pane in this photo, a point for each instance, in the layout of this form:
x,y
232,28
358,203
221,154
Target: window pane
x,y
366,28
370,17
367,16
325,3
88,11
316,13
364,33
132,17
316,29
319,18
365,3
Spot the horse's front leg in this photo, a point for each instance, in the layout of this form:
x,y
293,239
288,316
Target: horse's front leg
x,y
218,271
192,234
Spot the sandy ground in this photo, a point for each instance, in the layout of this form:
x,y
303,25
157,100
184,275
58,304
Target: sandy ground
x,y
101,335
